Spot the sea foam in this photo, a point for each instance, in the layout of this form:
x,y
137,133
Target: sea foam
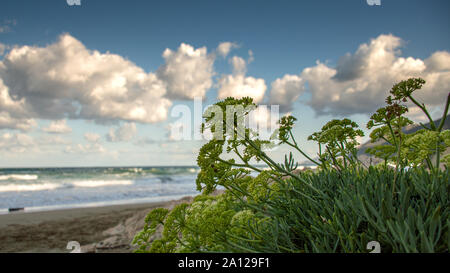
x,y
19,177
101,183
29,187
53,186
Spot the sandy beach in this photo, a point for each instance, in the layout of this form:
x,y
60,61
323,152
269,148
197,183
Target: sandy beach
x,y
98,229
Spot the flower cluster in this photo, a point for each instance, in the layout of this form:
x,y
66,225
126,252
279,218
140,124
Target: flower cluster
x,y
339,138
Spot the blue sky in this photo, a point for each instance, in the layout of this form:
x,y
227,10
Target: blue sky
x,y
271,39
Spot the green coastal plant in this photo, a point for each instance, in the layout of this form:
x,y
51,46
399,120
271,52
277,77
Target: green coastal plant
x,y
406,149
340,207
339,140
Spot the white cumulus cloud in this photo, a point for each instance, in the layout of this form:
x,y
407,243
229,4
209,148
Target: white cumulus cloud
x,y
187,72
12,112
239,65
286,90
65,79
224,48
361,81
16,143
90,148
238,85
92,137
123,133
58,127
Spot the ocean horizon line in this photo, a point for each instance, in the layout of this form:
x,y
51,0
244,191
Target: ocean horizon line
x,y
118,166
93,167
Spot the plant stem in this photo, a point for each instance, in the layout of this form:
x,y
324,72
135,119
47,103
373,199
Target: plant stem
x,y
303,153
444,115
392,133
422,107
398,156
438,155
239,165
430,165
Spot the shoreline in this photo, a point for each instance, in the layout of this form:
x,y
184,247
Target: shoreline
x,y
137,201
98,229
36,217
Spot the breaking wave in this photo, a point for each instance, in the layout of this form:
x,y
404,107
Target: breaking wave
x,y
101,183
29,187
19,177
53,186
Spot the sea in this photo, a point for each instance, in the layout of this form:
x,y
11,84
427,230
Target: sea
x,y
40,189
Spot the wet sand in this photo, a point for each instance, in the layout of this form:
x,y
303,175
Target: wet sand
x,y
50,231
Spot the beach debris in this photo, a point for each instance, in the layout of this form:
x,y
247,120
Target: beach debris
x,y
15,209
